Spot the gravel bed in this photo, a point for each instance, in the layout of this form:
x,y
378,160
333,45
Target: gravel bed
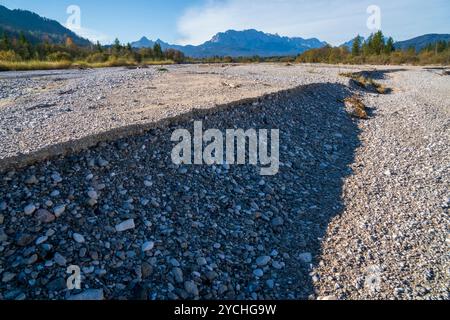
x,y
359,209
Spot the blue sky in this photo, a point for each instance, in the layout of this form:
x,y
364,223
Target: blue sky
x,y
195,21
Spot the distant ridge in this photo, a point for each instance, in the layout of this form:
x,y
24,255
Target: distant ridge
x,y
36,28
242,43
417,43
423,41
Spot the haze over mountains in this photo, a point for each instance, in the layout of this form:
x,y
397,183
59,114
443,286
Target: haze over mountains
x,y
230,43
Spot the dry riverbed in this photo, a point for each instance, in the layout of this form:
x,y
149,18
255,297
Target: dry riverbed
x,y
359,209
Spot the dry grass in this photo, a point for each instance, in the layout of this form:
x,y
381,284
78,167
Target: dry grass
x,y
50,65
356,107
33,65
366,83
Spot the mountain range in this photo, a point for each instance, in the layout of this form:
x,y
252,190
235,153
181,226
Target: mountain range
x,y
417,43
230,43
241,43
36,28
421,42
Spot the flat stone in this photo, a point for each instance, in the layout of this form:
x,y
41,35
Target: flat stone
x,y
126,225
88,295
191,288
78,238
305,257
177,274
56,285
8,276
24,239
263,261
44,216
59,210
60,260
41,240
277,222
147,246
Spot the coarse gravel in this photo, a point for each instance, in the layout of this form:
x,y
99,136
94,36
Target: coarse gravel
x,y
358,210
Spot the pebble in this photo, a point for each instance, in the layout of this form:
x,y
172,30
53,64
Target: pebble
x,y
148,183
102,162
41,240
57,178
177,274
59,259
29,209
258,273
88,295
126,225
147,246
92,194
44,216
24,239
263,261
59,210
32,180
55,193
305,257
191,288
201,261
8,276
78,238
277,222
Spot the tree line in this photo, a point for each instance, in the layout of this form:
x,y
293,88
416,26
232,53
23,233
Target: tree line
x,y
378,49
21,49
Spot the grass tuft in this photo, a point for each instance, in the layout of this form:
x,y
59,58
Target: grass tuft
x,y
366,82
356,107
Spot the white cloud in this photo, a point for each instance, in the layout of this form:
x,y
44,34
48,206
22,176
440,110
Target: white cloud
x,y
334,21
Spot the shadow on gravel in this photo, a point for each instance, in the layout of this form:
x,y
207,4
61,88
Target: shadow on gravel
x,y
380,74
210,222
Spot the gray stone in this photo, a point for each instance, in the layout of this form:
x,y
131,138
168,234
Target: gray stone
x,y
305,257
126,225
44,216
258,273
263,261
59,210
88,295
29,209
78,238
277,222
148,246
177,274
59,259
191,288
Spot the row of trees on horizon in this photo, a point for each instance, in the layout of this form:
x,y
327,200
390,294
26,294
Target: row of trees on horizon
x,y
21,49
377,49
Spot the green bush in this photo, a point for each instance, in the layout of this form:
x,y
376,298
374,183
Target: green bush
x,y
97,57
9,56
59,56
